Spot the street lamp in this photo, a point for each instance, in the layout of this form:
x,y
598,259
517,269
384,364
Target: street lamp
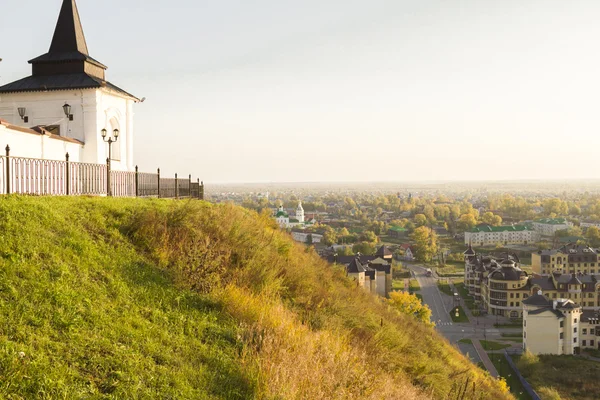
x,y
110,141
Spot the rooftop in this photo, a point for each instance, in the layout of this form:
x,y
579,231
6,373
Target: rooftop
x,y
506,228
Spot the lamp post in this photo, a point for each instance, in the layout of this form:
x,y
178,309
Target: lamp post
x,y
110,141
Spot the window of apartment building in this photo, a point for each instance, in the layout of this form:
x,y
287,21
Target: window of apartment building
x,y
575,321
584,343
574,330
584,332
553,295
592,343
562,324
562,335
518,304
512,295
518,295
574,340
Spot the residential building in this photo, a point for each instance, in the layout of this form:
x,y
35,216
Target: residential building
x,y
589,224
373,273
487,235
551,326
67,100
408,252
549,226
302,237
569,259
499,285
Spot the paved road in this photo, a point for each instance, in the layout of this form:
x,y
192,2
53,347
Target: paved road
x,y
441,305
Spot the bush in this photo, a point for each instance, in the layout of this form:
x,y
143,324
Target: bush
x,y
528,363
548,393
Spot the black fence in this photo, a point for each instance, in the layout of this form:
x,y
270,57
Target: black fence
x,y
66,178
524,382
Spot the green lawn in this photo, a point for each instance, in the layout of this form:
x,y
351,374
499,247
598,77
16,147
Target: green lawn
x,y
414,285
509,325
465,341
505,371
464,293
419,297
445,288
495,346
462,317
572,377
512,335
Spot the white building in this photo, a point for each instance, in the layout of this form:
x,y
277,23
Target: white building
x,y
549,226
589,224
285,222
303,237
68,97
487,235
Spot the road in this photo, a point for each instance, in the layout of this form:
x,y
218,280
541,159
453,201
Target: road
x,y
441,305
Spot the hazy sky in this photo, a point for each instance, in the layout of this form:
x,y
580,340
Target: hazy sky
x,y
344,90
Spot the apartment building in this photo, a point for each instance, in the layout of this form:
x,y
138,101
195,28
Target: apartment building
x,y
558,327
549,226
500,286
487,235
569,259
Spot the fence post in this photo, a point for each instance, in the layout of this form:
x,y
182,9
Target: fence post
x,y
198,188
190,187
158,182
68,176
202,191
137,182
176,187
7,169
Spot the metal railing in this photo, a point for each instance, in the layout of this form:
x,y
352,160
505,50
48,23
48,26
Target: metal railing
x,y
20,175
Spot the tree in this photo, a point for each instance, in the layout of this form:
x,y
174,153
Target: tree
x,y
309,239
329,236
466,222
370,237
409,304
420,220
367,249
425,244
491,219
593,235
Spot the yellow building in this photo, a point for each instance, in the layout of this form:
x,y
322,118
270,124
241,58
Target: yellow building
x,y
500,286
558,327
569,259
373,273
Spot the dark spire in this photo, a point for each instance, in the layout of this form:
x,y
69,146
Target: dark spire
x,y
68,35
68,52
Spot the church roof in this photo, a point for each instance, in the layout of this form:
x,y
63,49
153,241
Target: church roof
x,y
383,252
46,83
355,267
67,64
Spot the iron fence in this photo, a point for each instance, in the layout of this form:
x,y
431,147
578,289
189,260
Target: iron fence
x,y
34,176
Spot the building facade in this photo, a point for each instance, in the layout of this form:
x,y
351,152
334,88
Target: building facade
x,y
558,327
487,235
68,96
372,273
569,259
500,286
549,226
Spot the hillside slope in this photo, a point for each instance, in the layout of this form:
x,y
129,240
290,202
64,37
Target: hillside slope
x,y
113,298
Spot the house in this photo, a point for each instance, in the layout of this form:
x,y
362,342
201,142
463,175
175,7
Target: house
x,y
397,232
303,237
68,102
408,252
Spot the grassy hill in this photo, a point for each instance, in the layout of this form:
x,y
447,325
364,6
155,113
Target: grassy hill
x,y
137,299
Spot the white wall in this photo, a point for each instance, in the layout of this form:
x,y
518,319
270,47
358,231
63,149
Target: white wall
x,y
29,145
92,109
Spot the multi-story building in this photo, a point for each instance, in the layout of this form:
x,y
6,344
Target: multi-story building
x,y
589,224
487,235
549,226
569,259
559,327
500,286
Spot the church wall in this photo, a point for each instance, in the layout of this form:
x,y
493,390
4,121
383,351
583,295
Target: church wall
x,y
92,111
29,145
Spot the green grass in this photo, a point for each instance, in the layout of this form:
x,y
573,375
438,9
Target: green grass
x,y
464,293
420,297
572,377
481,365
512,335
414,285
126,299
445,288
505,371
466,341
462,317
509,325
489,345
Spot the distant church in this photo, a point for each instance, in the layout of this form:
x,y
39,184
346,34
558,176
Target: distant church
x,y
284,221
66,102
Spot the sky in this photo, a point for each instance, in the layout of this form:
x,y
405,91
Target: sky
x,y
344,90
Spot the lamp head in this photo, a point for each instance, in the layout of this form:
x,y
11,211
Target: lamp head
x,y
116,133
67,109
103,131
22,111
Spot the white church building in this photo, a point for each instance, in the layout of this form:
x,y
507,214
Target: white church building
x,y
284,221
66,103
